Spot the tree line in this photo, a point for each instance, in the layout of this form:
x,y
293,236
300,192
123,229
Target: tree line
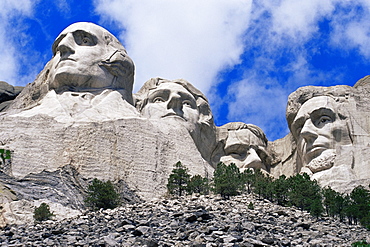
x,y
298,191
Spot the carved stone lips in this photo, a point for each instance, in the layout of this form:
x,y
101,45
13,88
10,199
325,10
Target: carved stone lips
x,y
64,59
173,115
315,150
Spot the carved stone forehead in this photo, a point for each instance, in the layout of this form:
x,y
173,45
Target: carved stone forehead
x,y
171,86
317,103
303,94
91,28
244,136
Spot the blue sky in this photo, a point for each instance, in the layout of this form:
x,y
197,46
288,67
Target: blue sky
x,y
246,56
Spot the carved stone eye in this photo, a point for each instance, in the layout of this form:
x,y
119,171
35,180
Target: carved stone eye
x,y
186,103
158,100
323,120
86,41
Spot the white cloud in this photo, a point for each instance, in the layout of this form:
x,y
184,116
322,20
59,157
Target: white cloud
x,y
278,29
197,40
193,40
8,49
10,8
260,102
351,27
298,19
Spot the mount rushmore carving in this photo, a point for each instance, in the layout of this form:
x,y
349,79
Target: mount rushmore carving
x,y
81,116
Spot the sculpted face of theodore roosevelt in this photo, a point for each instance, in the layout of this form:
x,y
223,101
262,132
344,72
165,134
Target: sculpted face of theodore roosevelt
x,y
245,146
319,128
86,56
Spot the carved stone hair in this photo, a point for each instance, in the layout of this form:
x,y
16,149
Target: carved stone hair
x,y
296,99
257,131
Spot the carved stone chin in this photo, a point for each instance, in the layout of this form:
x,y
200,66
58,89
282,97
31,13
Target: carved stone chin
x,y
323,162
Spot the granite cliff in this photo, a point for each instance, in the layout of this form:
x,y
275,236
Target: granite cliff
x,y
79,120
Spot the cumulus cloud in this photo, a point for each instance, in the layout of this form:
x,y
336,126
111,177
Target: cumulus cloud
x,y
9,55
274,41
298,19
193,40
351,27
256,102
277,46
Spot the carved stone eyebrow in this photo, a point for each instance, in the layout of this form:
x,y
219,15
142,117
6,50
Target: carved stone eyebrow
x,y
74,33
56,43
186,96
298,123
155,93
324,111
80,33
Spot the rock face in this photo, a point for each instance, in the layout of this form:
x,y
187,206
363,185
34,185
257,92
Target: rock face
x,y
197,221
79,120
245,145
330,129
79,115
8,94
179,103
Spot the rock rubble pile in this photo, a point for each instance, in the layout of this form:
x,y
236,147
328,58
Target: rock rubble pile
x,y
189,221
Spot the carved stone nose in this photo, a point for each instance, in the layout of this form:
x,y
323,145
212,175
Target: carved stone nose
x,y
308,131
232,140
66,45
253,160
175,104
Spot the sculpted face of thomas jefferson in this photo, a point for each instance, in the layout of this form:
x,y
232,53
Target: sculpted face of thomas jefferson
x,y
176,100
173,101
319,128
87,57
179,103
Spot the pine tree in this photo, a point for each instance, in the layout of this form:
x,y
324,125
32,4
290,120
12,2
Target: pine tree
x,y
42,212
329,202
102,195
178,180
247,179
280,190
262,185
304,193
198,184
227,180
360,209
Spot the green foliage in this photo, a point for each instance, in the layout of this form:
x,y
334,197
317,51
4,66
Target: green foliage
x,y
280,188
228,180
251,206
102,195
5,155
263,185
360,205
178,180
304,193
42,212
334,203
248,179
198,184
297,191
362,243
